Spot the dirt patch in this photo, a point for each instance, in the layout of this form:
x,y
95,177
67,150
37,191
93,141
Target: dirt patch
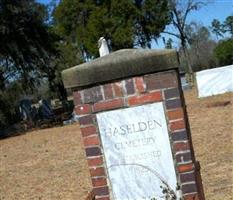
x,y
212,134
43,165
50,164
219,103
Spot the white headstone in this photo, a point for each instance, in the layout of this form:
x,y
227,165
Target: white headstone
x,y
138,153
215,81
103,47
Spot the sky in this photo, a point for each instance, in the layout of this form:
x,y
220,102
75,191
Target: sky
x,y
215,9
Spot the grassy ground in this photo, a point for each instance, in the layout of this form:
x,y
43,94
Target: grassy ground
x,y
44,165
50,164
212,133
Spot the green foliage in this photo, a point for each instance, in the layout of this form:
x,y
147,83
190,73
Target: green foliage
x,y
180,10
24,46
196,33
124,23
201,46
25,42
219,29
8,102
168,44
30,53
228,25
68,56
224,52
29,48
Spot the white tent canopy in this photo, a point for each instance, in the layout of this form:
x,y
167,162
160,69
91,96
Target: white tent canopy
x,y
215,81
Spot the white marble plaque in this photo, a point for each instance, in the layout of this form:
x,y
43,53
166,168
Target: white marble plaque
x,y
138,153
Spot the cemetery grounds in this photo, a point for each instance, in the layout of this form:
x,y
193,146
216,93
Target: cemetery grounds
x,y
50,164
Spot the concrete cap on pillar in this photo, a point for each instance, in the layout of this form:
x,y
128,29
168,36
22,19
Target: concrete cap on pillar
x,y
118,65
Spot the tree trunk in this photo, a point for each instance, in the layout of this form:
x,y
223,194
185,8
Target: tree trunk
x,y
61,91
188,67
2,82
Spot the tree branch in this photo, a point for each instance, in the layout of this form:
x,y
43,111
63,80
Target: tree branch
x,y
170,33
191,6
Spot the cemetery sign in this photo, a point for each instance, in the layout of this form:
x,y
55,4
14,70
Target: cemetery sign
x,y
138,152
134,126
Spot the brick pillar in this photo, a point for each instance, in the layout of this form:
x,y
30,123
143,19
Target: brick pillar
x,y
139,89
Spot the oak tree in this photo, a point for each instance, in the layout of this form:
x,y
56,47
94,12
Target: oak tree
x,y
123,23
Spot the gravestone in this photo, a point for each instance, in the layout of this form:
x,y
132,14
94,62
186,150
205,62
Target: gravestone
x,y
134,126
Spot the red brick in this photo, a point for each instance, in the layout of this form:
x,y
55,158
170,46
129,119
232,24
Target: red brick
x,y
83,109
77,98
191,197
139,84
129,86
108,105
185,168
171,93
189,188
173,103
181,146
93,151
101,181
92,95
152,82
91,141
183,157
86,120
103,198
108,91
179,136
101,191
187,177
89,130
177,125
161,80
118,89
175,114
145,98
87,95
95,161
97,172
